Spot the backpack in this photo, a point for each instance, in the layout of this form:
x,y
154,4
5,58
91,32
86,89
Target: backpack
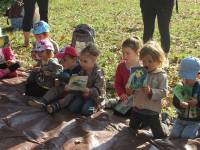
x,y
82,36
15,11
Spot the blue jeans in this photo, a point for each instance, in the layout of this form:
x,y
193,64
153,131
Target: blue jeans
x,y
82,106
185,129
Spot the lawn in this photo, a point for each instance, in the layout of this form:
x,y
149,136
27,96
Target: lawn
x,y
114,21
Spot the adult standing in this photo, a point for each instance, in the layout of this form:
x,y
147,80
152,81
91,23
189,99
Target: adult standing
x,y
29,9
163,10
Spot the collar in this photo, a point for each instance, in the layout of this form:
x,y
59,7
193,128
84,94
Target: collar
x,y
158,70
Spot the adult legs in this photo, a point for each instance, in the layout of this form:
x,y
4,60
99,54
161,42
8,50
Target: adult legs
x,y
43,9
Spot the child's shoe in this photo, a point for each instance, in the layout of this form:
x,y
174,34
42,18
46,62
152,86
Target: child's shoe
x,y
36,103
2,73
52,108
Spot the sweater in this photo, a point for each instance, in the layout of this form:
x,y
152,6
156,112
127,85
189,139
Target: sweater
x,y
190,114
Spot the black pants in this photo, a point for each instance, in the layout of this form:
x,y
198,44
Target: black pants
x,y
29,9
32,88
163,10
12,67
139,121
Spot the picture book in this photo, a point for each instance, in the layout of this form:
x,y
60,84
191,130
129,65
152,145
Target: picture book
x,y
137,79
77,83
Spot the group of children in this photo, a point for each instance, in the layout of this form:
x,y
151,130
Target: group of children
x,y
48,88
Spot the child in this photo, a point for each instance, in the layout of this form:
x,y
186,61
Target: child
x,y
147,100
88,101
130,48
71,67
46,73
187,124
41,32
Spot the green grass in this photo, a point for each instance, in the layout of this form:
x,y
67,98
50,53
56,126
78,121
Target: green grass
x,y
114,21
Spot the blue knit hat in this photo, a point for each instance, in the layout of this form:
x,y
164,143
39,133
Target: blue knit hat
x,y
189,68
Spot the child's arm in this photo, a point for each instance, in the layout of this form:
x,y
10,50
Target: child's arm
x,y
178,104
119,82
160,92
98,90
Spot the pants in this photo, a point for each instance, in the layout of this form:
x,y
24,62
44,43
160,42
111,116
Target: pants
x,y
29,9
12,67
163,10
139,121
32,88
53,94
185,129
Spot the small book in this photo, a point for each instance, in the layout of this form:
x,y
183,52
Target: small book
x,y
137,79
182,92
4,40
123,107
77,83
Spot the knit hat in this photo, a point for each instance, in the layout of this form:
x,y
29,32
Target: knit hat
x,y
40,27
43,45
71,51
189,68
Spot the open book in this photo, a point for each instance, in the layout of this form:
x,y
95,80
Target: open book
x,y
77,83
182,92
137,79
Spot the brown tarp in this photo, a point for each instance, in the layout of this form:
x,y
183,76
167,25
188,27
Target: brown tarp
x,y
23,127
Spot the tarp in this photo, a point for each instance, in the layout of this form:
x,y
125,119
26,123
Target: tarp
x,y
24,128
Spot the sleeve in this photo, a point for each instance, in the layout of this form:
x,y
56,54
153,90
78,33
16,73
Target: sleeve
x,y
161,92
119,89
9,54
98,90
176,102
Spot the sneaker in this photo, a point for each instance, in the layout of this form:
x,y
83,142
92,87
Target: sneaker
x,y
52,108
36,103
2,73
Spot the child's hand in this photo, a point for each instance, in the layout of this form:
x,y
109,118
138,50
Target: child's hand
x,y
130,91
146,90
193,102
184,105
86,92
124,97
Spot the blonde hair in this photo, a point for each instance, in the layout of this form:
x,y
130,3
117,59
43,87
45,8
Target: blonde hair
x,y
153,49
135,43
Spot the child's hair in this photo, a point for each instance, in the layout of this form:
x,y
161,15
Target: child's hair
x,y
91,50
135,43
153,49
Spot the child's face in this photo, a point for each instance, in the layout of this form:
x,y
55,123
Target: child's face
x,y
36,55
149,63
44,55
189,82
69,62
129,55
39,36
87,63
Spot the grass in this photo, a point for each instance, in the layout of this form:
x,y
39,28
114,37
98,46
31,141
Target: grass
x,y
114,21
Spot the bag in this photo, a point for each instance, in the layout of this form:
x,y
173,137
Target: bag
x,y
15,11
82,36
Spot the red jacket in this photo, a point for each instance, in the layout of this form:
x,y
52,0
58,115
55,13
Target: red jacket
x,y
8,53
121,78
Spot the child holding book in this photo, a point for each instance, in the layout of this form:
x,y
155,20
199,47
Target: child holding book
x,y
46,72
130,48
87,101
187,124
71,67
147,99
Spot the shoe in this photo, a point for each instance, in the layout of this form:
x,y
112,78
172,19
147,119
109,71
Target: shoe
x,y
36,103
2,73
52,108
